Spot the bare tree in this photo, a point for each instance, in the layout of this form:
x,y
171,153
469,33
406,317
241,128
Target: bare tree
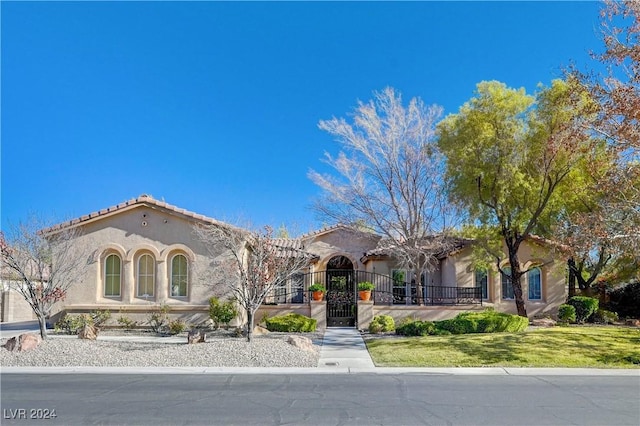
x,y
617,92
389,177
253,266
42,264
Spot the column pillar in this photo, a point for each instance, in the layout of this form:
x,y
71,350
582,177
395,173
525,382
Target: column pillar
x,y
162,283
128,283
319,313
365,314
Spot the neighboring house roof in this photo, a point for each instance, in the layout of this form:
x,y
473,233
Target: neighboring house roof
x,y
142,200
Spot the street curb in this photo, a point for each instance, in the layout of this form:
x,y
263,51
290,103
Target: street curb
x,y
489,371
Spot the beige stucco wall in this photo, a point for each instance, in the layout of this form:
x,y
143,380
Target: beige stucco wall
x,y
530,255
13,306
340,243
130,234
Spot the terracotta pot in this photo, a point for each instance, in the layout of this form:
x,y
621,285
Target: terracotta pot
x,y
317,295
365,295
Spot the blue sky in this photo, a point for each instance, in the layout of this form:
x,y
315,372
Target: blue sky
x,y
214,106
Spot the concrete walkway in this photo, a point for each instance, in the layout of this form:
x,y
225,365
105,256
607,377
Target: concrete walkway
x,y
344,348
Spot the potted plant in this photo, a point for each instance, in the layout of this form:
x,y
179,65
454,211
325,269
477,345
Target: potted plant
x,y
364,290
317,291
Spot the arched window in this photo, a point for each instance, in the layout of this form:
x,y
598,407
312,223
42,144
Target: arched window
x,y
146,275
534,278
482,281
112,275
179,276
507,287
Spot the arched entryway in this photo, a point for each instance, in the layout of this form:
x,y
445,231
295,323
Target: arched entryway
x,y
341,292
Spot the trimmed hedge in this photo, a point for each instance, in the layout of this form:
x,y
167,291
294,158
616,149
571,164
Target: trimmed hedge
x,y
291,323
585,307
566,313
381,324
488,321
416,328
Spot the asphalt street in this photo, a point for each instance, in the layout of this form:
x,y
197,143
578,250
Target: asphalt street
x,y
319,399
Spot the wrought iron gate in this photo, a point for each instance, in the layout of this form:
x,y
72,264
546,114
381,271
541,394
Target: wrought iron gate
x,y
341,298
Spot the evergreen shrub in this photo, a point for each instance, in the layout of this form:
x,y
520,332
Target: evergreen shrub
x,y
585,307
382,324
222,313
488,321
566,313
291,323
416,328
602,316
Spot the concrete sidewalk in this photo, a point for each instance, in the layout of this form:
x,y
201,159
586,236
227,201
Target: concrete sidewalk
x,y
344,348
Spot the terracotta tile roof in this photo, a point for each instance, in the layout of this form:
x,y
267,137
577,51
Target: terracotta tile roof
x,y
288,243
331,228
294,245
127,205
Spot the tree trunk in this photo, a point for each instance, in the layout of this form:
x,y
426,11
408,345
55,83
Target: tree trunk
x,y
516,276
572,277
250,315
42,322
517,294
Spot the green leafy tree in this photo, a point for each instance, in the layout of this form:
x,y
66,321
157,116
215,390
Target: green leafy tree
x,y
514,163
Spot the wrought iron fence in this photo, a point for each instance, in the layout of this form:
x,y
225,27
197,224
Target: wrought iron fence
x,y
387,291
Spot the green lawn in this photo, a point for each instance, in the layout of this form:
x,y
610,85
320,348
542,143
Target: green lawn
x,y
587,346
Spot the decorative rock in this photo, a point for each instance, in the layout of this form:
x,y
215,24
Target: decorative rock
x,y
633,322
196,336
543,322
301,342
259,331
88,332
23,342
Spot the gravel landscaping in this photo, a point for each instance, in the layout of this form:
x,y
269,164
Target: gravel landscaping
x,y
270,350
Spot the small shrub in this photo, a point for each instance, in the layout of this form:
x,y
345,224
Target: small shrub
x,y
177,326
72,324
291,323
100,317
126,322
625,300
415,328
69,324
222,313
382,324
488,321
264,318
159,318
602,316
585,307
566,313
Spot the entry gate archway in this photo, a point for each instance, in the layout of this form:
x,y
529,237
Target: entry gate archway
x,y
341,293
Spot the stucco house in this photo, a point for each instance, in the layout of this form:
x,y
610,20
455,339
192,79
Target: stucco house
x,y
144,253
